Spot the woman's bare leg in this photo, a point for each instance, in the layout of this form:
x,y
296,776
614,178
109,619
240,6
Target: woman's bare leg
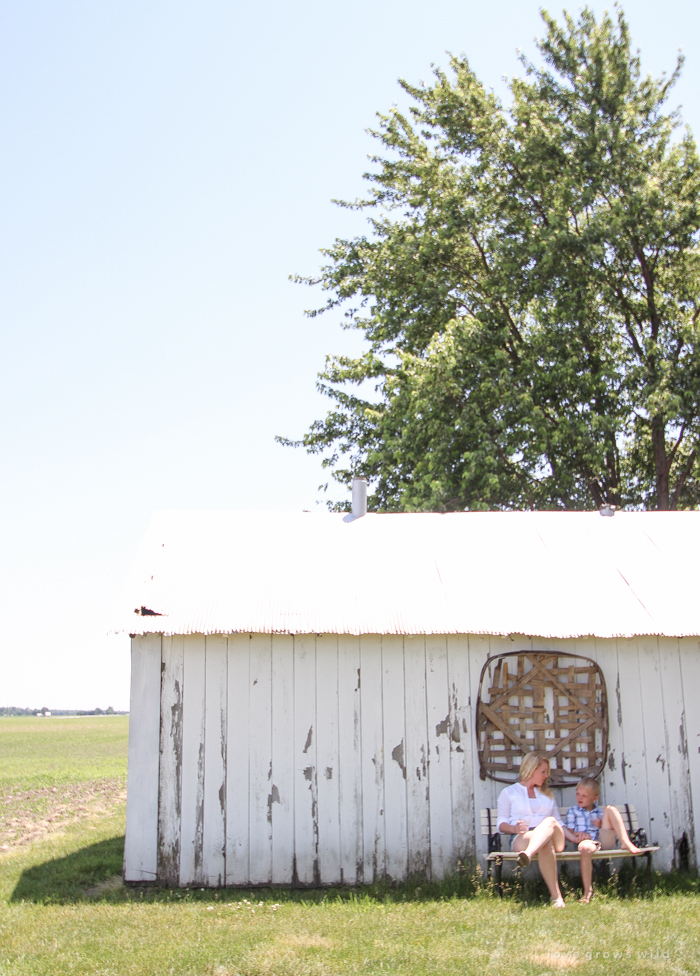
x,y
548,830
587,847
545,840
612,821
547,860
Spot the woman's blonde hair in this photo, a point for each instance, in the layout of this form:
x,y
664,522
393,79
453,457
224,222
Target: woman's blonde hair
x,y
528,766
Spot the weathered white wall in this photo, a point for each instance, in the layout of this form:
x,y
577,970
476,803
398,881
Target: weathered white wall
x,y
141,846
333,759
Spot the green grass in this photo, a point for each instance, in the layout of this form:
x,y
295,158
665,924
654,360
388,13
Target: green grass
x,y
63,909
46,752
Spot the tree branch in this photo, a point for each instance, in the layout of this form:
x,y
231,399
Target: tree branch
x,y
682,480
676,446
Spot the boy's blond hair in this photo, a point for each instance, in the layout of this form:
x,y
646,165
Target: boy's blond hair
x,y
590,784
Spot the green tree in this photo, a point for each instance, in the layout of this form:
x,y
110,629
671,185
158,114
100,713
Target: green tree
x,y
529,290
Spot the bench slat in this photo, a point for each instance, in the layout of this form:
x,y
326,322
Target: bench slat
x,y
575,855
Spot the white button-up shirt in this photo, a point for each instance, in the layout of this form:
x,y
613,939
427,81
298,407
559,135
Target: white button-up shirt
x,y
514,804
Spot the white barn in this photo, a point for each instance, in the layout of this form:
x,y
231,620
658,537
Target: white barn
x,y
306,689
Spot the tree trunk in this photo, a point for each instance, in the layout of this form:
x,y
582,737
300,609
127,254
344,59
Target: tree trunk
x,y
661,465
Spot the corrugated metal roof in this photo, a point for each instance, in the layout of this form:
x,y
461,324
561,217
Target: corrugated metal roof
x,y
546,574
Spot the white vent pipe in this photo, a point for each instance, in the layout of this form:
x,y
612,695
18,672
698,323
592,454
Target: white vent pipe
x,y
359,497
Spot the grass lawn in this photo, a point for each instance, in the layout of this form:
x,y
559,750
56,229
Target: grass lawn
x,y
63,908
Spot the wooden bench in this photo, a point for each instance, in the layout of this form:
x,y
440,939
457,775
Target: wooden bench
x,y
496,857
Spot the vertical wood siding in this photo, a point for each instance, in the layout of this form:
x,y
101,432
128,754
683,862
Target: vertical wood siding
x,y
305,855
689,734
463,757
326,759
193,739
372,738
328,773
141,846
439,757
416,758
395,793
215,764
350,760
281,796
170,778
238,760
260,767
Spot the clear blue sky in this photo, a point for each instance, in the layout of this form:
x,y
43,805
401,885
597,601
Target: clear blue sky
x,y
164,166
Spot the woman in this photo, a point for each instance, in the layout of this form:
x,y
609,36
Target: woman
x,y
527,810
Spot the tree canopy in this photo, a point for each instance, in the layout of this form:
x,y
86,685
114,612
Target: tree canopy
x,y
529,289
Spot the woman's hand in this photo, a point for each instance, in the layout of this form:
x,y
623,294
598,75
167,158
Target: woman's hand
x,y
522,827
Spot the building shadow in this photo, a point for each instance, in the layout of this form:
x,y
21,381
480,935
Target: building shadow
x,y
94,873
76,877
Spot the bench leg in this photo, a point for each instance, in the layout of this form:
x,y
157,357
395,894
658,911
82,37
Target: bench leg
x,y
601,869
497,876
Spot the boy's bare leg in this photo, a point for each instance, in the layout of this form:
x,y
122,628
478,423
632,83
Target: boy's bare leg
x,y
587,847
612,826
608,839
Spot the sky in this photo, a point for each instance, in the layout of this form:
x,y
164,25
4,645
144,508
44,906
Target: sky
x,y
164,168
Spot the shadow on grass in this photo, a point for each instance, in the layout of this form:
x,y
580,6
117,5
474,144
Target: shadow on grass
x,y
631,882
67,879
94,873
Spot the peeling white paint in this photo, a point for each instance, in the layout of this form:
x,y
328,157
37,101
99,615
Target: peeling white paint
x,y
329,759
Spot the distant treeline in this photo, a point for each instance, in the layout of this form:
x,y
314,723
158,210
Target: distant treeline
x,y
11,711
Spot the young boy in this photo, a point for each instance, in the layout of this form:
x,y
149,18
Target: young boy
x,y
594,828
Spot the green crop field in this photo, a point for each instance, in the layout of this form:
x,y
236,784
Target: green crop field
x,y
46,752
64,909
56,771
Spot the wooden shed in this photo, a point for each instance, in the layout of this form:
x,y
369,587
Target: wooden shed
x,y
317,700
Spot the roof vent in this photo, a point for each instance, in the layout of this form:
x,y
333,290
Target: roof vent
x,y
359,499
608,510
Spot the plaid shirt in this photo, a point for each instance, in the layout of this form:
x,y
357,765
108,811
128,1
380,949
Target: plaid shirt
x,y
579,819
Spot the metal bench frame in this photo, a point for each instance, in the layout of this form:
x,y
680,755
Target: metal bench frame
x,y
495,856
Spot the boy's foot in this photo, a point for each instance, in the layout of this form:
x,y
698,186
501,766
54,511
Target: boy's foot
x,y
585,898
523,859
558,902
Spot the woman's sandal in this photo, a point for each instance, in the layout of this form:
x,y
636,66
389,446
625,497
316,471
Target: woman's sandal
x,y
558,903
523,859
585,898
